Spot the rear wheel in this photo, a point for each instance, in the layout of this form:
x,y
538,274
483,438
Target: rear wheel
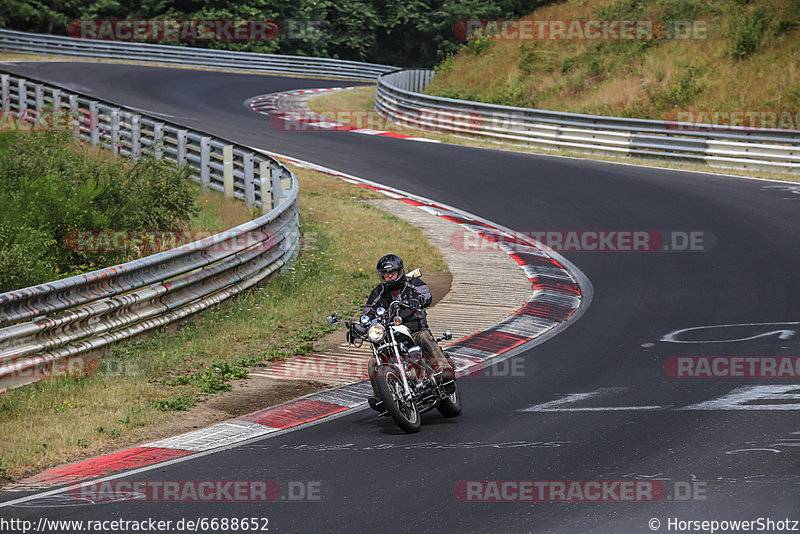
x,y
390,389
451,406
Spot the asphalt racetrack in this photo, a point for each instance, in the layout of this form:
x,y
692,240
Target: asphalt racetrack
x,y
722,448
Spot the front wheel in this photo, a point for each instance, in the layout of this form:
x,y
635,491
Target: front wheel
x,y
451,406
390,389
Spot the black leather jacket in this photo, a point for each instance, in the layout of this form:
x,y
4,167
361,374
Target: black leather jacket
x,y
413,289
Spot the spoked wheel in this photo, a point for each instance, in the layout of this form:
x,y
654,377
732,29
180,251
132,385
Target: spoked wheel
x,y
451,406
390,389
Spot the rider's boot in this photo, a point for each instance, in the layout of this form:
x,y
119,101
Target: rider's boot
x,y
448,377
376,404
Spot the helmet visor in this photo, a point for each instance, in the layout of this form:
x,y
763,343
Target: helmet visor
x,y
389,276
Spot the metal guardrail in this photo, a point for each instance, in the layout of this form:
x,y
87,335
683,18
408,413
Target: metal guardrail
x,y
43,44
48,326
399,97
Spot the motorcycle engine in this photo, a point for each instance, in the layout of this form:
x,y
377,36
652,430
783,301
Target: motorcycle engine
x,y
411,372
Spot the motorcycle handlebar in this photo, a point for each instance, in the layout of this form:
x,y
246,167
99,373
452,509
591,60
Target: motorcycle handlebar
x,y
334,318
405,304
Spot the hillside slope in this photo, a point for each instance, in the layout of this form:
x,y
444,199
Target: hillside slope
x,y
747,60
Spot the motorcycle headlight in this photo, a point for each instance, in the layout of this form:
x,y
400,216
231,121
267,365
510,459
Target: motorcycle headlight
x,y
376,332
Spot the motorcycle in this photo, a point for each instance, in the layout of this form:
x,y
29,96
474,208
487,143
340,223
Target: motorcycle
x,y
406,385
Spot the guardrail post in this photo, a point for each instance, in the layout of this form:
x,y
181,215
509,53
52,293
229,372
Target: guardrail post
x,y
158,140
275,186
205,162
136,132
75,115
57,99
227,170
286,182
39,92
22,95
293,229
249,180
182,136
94,121
6,88
115,131
266,184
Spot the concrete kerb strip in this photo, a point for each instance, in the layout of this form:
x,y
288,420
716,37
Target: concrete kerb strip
x,y
560,296
290,110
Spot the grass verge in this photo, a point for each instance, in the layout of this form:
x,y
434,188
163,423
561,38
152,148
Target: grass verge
x,y
141,384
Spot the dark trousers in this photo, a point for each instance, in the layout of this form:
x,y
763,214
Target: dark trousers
x,y
431,350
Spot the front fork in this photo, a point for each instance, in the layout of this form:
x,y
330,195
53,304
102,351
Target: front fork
x,y
400,365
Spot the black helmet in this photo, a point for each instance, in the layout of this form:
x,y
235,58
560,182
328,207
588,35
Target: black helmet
x,y
391,271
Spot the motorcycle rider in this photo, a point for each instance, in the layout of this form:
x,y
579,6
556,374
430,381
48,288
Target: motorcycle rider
x,y
394,285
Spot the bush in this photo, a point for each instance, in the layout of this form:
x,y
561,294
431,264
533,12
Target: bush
x,y
446,65
681,93
747,32
49,187
24,257
480,46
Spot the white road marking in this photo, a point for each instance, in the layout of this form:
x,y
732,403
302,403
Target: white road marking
x,y
782,333
753,450
743,398
567,403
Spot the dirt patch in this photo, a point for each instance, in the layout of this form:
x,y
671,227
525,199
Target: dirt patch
x,y
439,284
260,392
247,396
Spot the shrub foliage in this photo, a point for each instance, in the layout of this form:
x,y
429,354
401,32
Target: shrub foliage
x,y
50,186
